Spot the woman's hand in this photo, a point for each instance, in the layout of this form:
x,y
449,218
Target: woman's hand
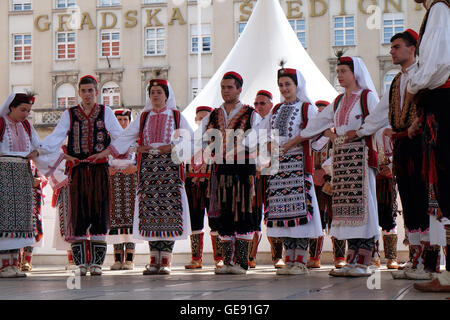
x,y
165,149
143,149
98,156
32,155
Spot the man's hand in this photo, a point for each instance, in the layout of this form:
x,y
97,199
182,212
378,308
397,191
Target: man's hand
x,y
36,182
32,155
414,128
388,132
98,156
165,149
351,135
74,161
330,134
385,171
143,149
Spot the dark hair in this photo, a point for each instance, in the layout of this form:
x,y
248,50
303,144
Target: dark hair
x,y
88,80
166,90
238,83
409,40
20,98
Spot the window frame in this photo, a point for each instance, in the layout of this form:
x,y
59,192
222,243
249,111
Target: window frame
x,y
101,3
67,4
299,31
67,43
394,17
22,45
110,41
22,4
155,40
344,29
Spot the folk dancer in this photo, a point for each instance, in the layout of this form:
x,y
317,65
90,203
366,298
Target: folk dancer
x,y
263,104
59,181
355,212
429,87
232,192
18,145
293,211
197,188
161,215
89,128
123,179
323,189
390,117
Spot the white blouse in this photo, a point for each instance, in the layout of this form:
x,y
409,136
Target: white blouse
x,y
434,51
348,116
16,141
157,131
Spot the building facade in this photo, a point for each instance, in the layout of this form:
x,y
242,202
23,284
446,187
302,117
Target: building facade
x,y
124,43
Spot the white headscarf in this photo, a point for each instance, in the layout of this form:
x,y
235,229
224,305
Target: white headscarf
x,y
4,109
302,92
362,75
170,103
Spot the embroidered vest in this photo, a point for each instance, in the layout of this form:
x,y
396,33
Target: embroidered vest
x,y
307,152
399,118
241,121
373,155
87,133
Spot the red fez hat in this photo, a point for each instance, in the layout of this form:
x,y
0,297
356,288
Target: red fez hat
x,y
203,108
264,93
122,112
288,72
412,33
89,77
23,98
322,103
161,83
347,61
234,75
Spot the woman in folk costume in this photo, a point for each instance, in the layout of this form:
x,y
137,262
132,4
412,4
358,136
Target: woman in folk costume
x,y
293,211
354,202
162,212
59,181
123,179
18,144
39,183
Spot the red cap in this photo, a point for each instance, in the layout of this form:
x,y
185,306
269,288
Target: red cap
x,y
161,83
89,76
345,59
235,75
288,72
264,93
412,33
122,112
322,103
203,108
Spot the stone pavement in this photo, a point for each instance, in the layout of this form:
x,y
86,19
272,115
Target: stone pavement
x,y
54,283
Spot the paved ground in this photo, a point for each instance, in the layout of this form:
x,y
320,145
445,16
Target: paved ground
x,y
54,283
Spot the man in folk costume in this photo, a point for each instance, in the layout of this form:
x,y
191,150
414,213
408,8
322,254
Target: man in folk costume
x,y
323,189
161,215
429,88
18,145
355,212
232,192
197,188
263,104
293,211
89,128
123,178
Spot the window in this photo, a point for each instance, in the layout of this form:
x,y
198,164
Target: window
x,y
299,27
111,94
241,27
389,76
22,47
344,31
110,43
201,40
392,24
109,3
65,96
153,1
65,42
65,4
154,41
194,86
21,5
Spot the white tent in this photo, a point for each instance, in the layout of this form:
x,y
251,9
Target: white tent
x,y
266,40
